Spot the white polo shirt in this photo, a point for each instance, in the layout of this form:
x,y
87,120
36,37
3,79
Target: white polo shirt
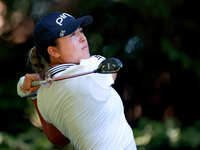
x,y
86,109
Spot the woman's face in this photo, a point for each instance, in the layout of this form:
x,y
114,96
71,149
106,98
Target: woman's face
x,y
72,48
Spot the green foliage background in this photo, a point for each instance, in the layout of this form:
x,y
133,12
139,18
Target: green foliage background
x,y
158,43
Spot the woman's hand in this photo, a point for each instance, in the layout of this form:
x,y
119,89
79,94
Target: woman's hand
x,y
114,76
29,78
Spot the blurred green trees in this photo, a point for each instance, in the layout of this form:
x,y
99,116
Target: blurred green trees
x,y
158,43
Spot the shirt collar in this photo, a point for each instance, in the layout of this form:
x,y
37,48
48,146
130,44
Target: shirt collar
x,y
58,68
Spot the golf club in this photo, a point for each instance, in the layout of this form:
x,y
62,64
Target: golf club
x,y
109,65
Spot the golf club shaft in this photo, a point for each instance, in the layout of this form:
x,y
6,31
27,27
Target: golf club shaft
x,y
72,76
39,83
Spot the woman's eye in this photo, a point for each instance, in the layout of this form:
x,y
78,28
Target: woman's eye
x,y
73,34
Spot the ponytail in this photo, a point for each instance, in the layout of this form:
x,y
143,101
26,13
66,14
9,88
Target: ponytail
x,y
36,62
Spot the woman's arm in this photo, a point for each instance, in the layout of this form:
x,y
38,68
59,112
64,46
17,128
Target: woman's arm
x,y
52,133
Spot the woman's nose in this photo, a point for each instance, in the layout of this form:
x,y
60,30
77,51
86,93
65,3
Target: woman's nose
x,y
82,37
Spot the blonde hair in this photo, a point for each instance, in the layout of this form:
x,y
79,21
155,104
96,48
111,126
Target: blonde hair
x,y
36,62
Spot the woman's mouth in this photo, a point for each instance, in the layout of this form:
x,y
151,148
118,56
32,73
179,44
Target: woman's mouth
x,y
85,48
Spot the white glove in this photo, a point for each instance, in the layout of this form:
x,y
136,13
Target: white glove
x,y
26,93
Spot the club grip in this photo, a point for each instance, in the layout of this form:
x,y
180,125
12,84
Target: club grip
x,y
38,83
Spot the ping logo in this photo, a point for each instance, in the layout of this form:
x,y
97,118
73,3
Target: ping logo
x,y
60,19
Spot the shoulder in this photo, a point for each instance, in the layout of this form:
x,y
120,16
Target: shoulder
x,y
92,63
98,57
103,81
95,59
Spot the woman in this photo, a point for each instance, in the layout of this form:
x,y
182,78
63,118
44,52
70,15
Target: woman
x,y
86,110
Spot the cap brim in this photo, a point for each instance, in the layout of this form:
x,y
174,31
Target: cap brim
x,y
86,20
79,22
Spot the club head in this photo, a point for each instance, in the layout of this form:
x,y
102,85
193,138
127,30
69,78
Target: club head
x,y
109,65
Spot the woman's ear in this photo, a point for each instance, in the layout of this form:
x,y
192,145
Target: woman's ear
x,y
53,51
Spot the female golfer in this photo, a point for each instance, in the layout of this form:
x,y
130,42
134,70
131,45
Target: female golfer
x,y
86,110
